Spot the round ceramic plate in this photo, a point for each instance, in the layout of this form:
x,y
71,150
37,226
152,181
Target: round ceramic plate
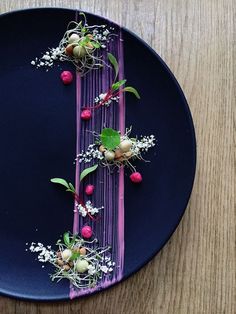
x,y
38,134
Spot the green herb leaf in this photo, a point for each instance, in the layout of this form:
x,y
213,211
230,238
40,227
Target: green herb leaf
x,y
69,186
66,238
83,42
74,256
72,189
110,138
86,171
118,84
60,181
73,240
114,63
95,44
132,90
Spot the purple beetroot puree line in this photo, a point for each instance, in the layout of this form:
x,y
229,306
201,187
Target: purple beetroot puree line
x,y
120,230
109,188
77,170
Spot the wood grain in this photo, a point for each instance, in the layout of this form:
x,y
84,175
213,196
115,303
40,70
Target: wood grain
x,y
195,272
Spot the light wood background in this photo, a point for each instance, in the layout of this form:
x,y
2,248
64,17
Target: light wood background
x,y
195,272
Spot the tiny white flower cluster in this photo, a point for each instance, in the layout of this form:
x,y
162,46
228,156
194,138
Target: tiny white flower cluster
x,y
101,97
91,153
109,265
106,267
91,269
138,147
45,253
48,59
88,208
143,144
101,35
98,260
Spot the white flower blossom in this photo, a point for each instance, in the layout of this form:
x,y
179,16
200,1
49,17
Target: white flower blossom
x,y
143,144
102,96
91,270
45,255
104,269
88,208
95,257
139,146
106,32
91,153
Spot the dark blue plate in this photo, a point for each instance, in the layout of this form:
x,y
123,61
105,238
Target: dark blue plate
x,y
37,124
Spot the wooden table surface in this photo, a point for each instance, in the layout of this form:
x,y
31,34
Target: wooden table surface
x,y
195,272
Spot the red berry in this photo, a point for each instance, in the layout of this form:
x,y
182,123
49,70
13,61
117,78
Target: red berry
x,y
86,114
136,177
66,77
86,232
89,189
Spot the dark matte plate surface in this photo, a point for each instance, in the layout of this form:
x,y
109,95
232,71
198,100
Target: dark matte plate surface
x,y
37,136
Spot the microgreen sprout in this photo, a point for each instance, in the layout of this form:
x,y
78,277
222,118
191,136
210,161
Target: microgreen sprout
x,y
111,149
85,209
80,45
76,259
69,186
115,90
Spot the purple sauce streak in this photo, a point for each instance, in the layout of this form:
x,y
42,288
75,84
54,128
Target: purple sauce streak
x,y
109,188
77,170
121,173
